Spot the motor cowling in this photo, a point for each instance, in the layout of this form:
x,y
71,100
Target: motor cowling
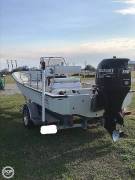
x,y
113,81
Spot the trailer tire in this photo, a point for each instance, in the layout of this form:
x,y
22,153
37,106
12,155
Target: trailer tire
x,y
26,117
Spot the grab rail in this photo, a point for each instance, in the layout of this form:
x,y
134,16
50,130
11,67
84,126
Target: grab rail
x,y
32,80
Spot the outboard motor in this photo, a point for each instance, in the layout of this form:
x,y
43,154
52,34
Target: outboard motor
x,y
113,80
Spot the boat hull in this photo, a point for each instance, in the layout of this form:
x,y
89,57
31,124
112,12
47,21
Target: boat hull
x,y
64,105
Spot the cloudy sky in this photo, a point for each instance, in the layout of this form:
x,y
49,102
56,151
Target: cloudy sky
x,y
80,30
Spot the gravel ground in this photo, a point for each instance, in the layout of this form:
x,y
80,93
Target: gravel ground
x,y
10,89
133,80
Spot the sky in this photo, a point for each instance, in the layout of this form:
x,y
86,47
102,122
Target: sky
x,y
82,31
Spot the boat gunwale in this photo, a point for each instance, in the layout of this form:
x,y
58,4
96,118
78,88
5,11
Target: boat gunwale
x,y
46,93
39,91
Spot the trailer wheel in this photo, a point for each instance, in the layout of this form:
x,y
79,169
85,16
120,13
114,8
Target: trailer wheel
x,y
26,117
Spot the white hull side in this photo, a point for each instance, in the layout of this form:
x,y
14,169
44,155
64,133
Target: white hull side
x,y
70,105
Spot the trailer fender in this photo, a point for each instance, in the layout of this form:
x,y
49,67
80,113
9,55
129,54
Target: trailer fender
x,y
33,111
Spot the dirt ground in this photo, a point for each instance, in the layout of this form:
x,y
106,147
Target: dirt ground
x,y
10,89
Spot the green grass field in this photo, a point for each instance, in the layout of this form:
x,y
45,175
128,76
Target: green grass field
x,y
70,154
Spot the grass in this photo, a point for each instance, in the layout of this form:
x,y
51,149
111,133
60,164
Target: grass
x,y
9,79
68,155
133,74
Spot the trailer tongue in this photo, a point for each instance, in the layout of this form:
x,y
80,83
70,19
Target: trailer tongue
x,y
113,80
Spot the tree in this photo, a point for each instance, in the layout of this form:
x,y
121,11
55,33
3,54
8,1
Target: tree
x,y
90,68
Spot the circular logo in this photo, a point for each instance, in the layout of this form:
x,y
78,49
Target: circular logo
x,y
8,172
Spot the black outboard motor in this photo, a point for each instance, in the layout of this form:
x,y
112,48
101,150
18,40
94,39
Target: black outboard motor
x,y
113,80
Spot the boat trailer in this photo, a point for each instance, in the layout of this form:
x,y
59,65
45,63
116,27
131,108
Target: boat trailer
x,y
113,83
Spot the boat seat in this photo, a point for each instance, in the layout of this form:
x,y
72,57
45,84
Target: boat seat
x,y
65,83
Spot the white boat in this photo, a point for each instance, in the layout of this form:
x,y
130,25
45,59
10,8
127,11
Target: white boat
x,y
64,93
56,91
